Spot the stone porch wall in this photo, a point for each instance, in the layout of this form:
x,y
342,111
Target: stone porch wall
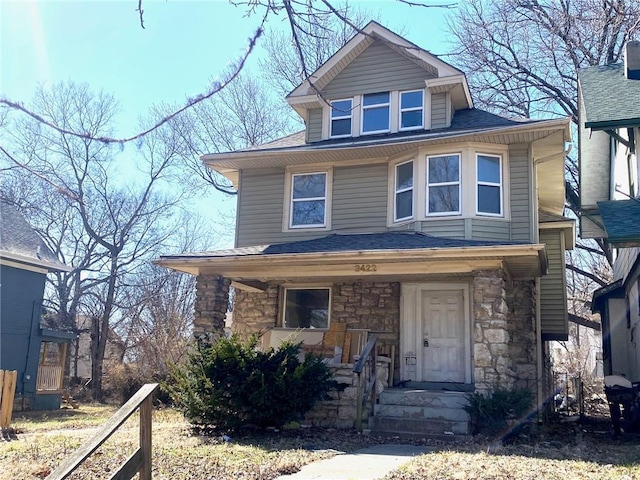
x,y
212,302
255,312
504,332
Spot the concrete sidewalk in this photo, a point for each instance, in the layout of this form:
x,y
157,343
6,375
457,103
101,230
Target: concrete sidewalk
x,y
369,463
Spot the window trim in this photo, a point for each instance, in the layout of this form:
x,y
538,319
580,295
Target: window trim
x,y
428,185
396,191
364,107
410,109
283,307
341,117
292,200
287,211
479,183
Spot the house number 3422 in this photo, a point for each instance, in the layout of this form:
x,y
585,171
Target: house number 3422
x,y
366,267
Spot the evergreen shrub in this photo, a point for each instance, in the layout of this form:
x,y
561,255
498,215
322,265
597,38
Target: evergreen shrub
x,y
491,414
230,384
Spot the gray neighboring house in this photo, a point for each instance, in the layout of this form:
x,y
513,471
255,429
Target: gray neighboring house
x,y
400,210
609,129
38,354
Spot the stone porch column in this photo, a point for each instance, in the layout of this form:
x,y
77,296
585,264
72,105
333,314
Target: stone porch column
x,y
212,301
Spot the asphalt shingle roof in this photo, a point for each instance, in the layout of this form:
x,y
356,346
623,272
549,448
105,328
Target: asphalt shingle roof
x,y
18,238
469,119
610,99
350,243
621,221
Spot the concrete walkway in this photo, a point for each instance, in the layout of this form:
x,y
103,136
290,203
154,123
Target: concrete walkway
x,y
370,463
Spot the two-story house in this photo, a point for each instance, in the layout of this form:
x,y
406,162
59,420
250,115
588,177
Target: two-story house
x,y
609,129
404,211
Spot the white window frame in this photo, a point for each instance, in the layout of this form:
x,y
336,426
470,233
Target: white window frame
x,y
287,210
371,107
310,199
396,191
500,185
410,109
283,309
348,115
428,185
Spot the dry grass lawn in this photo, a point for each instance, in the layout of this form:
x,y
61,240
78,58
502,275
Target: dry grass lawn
x,y
44,439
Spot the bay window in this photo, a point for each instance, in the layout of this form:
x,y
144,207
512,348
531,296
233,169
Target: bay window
x,y
443,185
403,194
489,184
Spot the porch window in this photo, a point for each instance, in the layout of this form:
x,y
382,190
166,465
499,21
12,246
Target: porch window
x,y
443,185
51,366
341,118
489,187
375,112
308,200
411,109
306,307
404,191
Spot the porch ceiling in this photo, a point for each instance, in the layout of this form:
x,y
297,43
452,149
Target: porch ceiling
x,y
520,261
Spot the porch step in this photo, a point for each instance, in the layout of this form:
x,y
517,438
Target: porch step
x,y
420,412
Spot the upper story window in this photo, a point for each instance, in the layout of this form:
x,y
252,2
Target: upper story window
x,y
375,112
306,308
308,200
341,118
403,194
443,184
489,184
411,110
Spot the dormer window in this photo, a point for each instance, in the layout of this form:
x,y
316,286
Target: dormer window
x,y
411,110
375,113
341,118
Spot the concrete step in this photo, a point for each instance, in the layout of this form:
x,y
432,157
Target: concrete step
x,y
423,398
413,426
455,414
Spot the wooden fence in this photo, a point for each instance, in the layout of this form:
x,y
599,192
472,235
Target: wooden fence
x,y
8,381
139,461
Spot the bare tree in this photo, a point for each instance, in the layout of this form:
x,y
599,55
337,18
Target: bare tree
x,y
117,210
522,58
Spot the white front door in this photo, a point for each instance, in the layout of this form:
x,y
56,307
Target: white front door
x,y
435,333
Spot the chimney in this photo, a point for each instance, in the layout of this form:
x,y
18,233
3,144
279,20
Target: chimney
x,y
632,60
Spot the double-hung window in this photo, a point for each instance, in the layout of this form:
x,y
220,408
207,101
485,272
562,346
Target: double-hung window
x,y
341,118
308,207
411,106
489,187
403,192
306,308
443,184
375,112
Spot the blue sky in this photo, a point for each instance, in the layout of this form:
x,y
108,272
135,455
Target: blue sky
x,y
184,45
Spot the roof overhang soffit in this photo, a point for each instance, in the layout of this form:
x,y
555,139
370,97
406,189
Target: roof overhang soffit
x,y
520,261
549,157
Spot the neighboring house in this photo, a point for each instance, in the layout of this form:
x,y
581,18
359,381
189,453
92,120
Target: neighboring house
x,y
609,98
404,211
80,353
38,354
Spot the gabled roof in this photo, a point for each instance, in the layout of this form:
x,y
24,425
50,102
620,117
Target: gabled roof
x,y
305,94
610,99
21,245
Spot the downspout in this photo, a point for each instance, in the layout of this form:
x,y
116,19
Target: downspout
x,y
35,309
539,364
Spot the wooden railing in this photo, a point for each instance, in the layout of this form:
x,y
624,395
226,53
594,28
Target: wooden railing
x,y
365,369
139,461
49,378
